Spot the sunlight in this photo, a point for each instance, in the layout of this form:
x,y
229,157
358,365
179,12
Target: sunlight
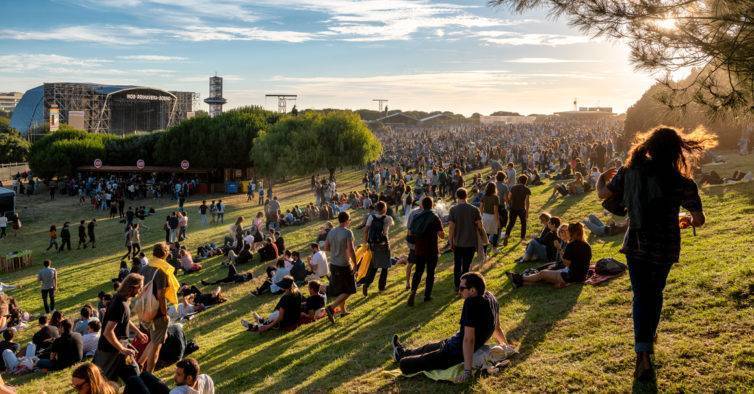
x,y
667,23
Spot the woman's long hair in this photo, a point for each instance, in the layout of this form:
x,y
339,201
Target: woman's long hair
x,y
91,374
668,145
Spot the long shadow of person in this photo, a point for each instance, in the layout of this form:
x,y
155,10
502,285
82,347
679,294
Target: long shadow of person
x,y
547,306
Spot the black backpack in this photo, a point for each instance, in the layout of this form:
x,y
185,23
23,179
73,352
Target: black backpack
x,y
609,266
376,234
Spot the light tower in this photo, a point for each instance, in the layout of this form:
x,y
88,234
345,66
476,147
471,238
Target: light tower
x,y
215,99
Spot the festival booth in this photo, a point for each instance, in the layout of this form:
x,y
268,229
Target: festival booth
x,y
206,177
7,201
237,180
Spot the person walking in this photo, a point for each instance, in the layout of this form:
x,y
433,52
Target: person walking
x,y
376,235
203,212
220,211
82,234
65,237
3,225
519,207
53,233
465,230
164,288
651,188
90,231
339,243
503,194
48,278
424,231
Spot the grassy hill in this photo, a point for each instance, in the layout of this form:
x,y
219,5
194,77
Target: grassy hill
x,y
574,339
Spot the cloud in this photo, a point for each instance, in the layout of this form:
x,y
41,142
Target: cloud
x,y
548,60
109,35
206,33
34,62
153,58
504,37
182,10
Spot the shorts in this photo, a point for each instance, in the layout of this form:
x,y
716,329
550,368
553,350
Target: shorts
x,y
158,330
412,256
341,281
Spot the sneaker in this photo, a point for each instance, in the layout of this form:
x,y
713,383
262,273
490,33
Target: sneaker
x,y
245,324
330,314
397,349
515,278
411,297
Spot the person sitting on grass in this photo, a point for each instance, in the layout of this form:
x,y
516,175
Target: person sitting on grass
x,y
206,299
575,187
597,227
66,350
87,315
244,257
91,337
542,248
269,251
576,257
265,286
87,378
298,269
317,262
313,307
280,272
480,320
187,262
287,311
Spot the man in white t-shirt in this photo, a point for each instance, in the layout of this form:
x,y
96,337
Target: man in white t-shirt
x,y
91,338
188,380
318,262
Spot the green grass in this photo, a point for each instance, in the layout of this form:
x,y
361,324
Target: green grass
x,y
575,339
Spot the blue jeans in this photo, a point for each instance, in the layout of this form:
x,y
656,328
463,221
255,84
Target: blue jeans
x,y
536,251
647,283
462,258
595,225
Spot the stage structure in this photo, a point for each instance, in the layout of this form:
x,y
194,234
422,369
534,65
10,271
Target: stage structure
x,y
283,101
117,109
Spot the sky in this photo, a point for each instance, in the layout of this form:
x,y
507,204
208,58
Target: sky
x,y
455,55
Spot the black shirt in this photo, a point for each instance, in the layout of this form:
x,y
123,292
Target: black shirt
x,y
518,196
314,303
244,257
298,271
69,348
548,239
426,243
579,253
43,338
291,303
117,312
203,209
479,312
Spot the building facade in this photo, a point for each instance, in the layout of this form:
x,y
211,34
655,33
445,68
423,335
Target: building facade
x,y
9,100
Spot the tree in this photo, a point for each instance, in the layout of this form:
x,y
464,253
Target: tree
x,y
13,148
61,152
670,35
313,141
220,142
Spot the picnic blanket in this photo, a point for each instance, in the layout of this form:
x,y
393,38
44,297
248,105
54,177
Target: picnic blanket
x,y
593,278
487,359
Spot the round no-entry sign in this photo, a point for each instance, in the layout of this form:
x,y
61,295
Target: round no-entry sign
x,y
140,164
185,164
97,163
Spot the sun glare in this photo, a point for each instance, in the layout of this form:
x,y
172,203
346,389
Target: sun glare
x,y
667,23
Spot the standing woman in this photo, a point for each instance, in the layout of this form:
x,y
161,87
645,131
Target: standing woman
x,y
490,210
650,189
53,237
135,239
166,227
238,234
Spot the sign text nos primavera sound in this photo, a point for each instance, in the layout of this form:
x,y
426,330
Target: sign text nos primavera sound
x,y
150,97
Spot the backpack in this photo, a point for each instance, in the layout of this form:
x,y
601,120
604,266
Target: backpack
x,y
609,266
377,231
146,304
420,223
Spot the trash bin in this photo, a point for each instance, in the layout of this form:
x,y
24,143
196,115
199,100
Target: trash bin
x,y
231,187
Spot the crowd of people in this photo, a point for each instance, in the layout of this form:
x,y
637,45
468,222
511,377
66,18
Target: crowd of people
x,y
417,183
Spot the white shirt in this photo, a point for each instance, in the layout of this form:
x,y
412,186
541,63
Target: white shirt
x,y
249,239
90,343
319,264
3,221
388,222
204,385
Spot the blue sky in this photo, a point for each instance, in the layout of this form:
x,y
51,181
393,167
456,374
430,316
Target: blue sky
x,y
453,55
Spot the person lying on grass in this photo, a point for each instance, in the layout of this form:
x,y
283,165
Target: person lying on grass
x,y
287,312
576,257
542,247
